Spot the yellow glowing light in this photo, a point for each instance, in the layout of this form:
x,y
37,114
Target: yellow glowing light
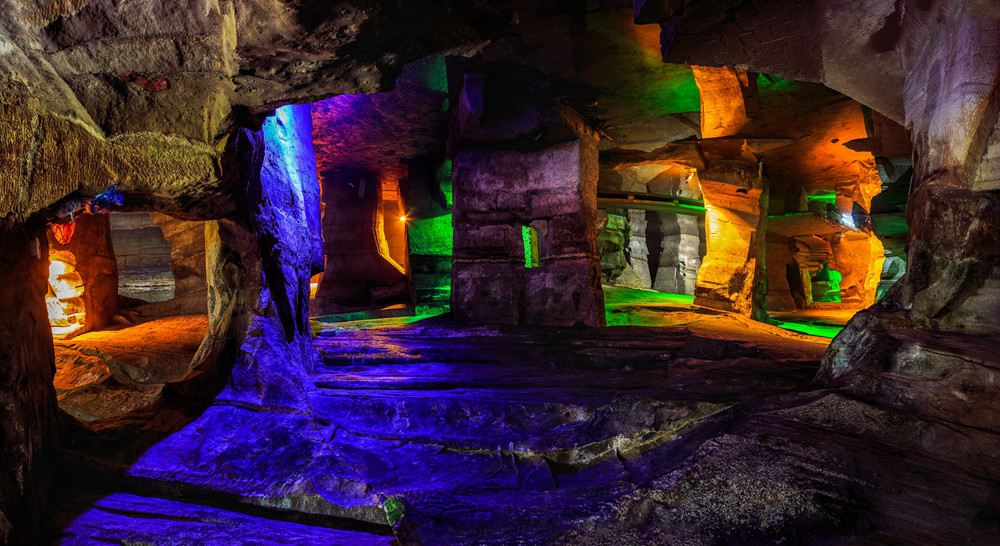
x,y
63,303
402,218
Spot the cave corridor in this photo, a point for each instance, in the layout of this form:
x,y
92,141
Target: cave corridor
x,y
559,272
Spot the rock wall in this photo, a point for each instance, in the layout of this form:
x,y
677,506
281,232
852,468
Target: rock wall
x,y
27,398
148,243
187,262
138,242
92,247
499,192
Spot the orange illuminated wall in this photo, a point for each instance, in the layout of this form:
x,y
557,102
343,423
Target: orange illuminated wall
x,y
391,225
64,301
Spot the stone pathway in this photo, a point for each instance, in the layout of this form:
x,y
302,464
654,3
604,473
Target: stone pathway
x,y
462,427
496,435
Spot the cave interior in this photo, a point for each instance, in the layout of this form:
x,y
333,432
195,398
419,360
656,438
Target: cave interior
x,y
445,273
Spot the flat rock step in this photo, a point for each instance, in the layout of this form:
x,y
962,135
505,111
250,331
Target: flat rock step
x,y
125,518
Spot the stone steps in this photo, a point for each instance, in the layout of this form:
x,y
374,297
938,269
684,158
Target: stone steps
x,y
127,518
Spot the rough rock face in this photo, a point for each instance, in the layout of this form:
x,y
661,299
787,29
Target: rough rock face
x,y
27,399
95,261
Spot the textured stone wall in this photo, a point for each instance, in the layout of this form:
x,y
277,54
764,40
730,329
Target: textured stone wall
x,y
95,262
497,193
27,399
681,242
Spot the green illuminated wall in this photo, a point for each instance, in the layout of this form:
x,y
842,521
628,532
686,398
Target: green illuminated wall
x,y
430,244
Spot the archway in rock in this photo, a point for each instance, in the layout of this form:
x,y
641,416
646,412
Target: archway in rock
x,y
138,317
386,189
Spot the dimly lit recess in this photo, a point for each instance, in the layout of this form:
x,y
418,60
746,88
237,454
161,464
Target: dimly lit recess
x,y
506,272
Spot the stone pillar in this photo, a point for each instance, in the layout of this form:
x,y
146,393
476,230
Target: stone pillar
x,y
259,264
727,97
426,192
734,222
357,275
500,192
681,238
859,257
528,175
621,240
732,276
27,399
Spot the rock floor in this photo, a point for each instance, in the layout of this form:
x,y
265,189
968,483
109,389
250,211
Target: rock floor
x,y
104,376
710,434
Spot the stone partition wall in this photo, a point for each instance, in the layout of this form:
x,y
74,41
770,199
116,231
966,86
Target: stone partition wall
x,y
498,192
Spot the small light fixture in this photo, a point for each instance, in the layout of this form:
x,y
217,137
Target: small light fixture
x,y
402,218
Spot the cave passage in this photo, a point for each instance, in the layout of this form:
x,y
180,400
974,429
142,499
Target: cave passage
x,y
491,273
127,305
